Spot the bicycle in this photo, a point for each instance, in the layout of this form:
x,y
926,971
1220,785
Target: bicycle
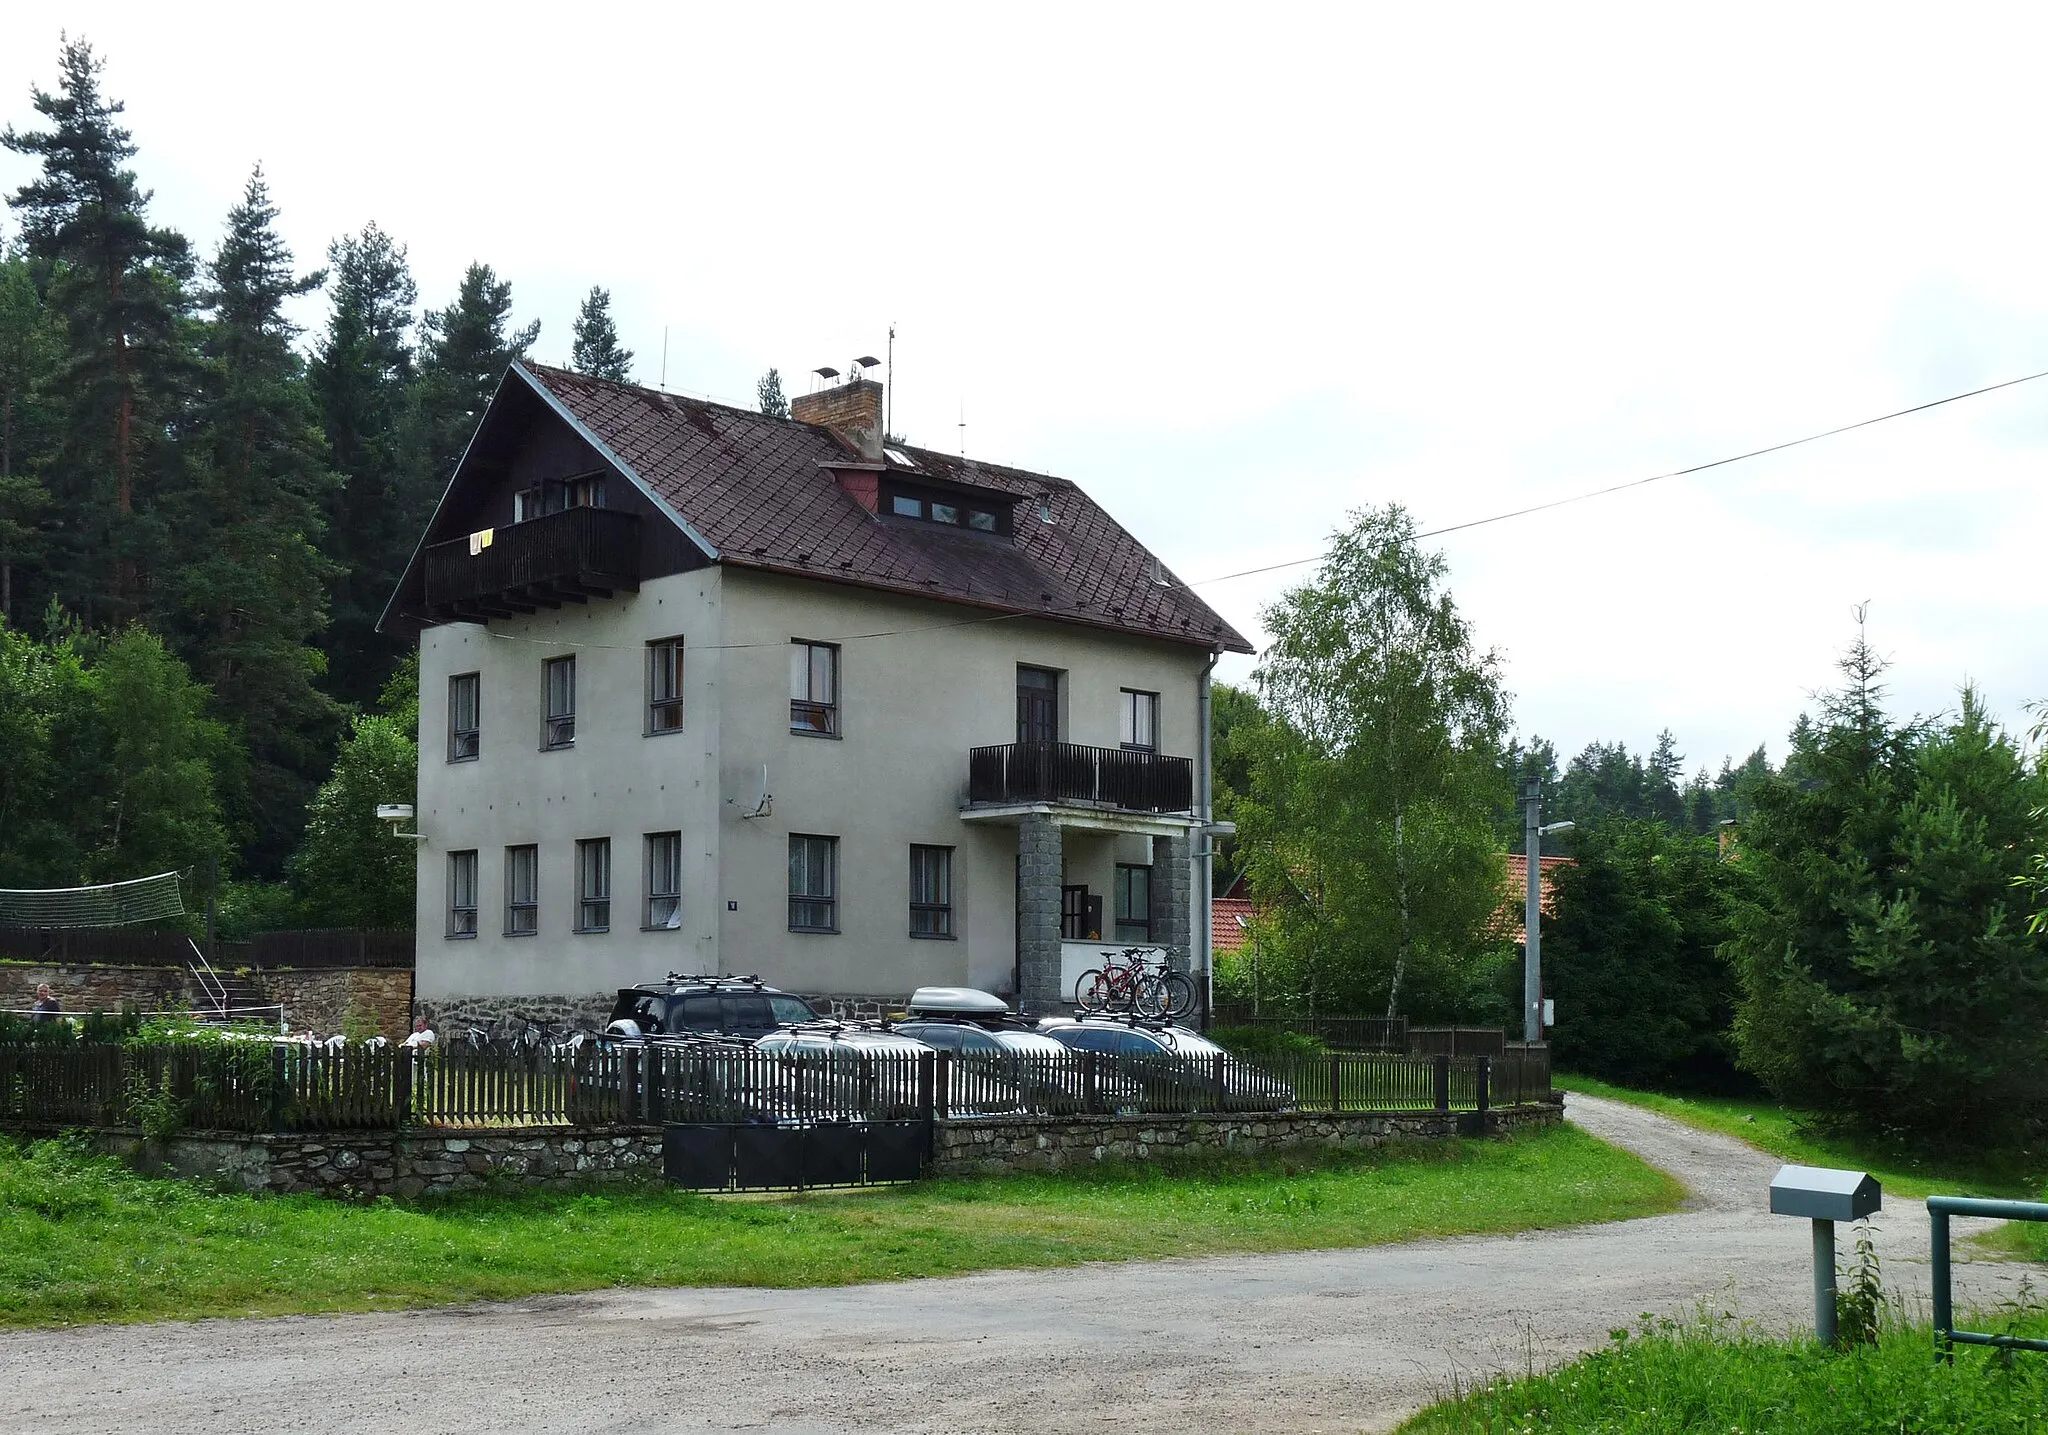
x,y
1136,984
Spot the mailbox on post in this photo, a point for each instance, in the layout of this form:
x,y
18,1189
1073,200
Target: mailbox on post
x,y
1824,1196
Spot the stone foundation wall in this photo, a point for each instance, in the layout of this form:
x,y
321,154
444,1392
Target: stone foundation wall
x,y
452,1014
987,1148
359,1165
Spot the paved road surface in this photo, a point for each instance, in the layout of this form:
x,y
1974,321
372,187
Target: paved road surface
x,y
1328,1341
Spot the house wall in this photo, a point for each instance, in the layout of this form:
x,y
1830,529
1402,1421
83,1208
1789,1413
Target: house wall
x,y
910,708
616,782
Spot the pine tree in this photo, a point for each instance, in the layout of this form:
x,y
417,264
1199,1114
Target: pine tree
x,y
768,393
249,585
466,350
362,376
595,350
119,285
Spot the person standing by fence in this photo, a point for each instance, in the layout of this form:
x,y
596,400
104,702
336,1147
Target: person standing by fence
x,y
47,1007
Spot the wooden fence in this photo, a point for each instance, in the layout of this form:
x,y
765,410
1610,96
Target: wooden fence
x,y
133,947
284,1086
1342,1033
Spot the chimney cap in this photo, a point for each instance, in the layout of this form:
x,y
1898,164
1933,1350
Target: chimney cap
x,y
866,361
826,372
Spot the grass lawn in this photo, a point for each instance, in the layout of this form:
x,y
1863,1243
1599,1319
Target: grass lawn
x,y
1793,1136
1667,1378
83,1238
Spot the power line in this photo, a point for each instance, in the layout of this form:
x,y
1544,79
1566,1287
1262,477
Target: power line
x,y
1653,478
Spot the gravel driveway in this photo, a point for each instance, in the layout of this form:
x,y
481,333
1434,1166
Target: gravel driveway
x,y
1338,1340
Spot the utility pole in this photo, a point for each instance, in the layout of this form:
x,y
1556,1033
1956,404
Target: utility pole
x,y
1533,832
1532,911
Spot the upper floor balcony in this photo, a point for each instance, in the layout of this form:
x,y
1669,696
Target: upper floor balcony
x,y
567,557
1125,779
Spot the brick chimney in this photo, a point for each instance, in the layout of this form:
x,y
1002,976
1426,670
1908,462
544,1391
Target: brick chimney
x,y
853,410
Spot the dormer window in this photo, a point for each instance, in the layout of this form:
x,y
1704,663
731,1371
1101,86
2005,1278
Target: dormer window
x,y
954,510
556,494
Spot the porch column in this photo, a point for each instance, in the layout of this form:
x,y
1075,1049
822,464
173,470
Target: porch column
x,y
1172,897
1040,865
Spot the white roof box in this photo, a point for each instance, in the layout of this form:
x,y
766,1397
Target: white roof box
x,y
956,1001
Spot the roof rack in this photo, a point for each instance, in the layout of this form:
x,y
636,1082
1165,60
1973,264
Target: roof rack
x,y
1127,1018
708,980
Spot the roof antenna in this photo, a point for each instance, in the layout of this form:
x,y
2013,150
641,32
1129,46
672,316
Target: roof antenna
x,y
963,428
889,387
664,358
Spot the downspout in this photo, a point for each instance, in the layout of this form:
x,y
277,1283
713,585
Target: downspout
x,y
1205,850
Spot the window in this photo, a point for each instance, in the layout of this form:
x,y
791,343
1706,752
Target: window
x,y
1133,904
813,688
594,885
463,735
665,685
559,676
462,894
813,883
522,891
664,880
952,509
556,494
1138,723
931,891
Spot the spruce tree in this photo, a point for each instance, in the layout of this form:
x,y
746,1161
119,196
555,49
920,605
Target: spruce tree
x,y
30,346
120,287
769,396
249,584
595,350
466,350
362,376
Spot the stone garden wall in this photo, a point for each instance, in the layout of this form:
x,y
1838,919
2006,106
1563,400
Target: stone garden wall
x,y
978,1148
314,998
363,1164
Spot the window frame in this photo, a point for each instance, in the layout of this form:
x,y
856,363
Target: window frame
x,y
514,853
649,895
1130,702
827,712
942,909
1129,928
587,900
551,739
810,897
458,863
475,733
657,706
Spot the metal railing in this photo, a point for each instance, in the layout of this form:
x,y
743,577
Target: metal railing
x,y
1344,1033
1132,781
538,562
261,1086
1939,1209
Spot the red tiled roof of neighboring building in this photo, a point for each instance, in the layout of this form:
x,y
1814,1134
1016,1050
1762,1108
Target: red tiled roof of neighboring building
x,y
1226,918
1514,907
761,491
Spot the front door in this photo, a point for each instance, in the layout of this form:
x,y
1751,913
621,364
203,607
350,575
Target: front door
x,y
1038,705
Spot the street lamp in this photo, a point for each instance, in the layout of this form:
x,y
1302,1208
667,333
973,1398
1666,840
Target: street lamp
x,y
1533,830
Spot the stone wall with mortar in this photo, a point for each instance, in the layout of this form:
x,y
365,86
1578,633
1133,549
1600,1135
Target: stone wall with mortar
x,y
359,1165
986,1148
591,1012
314,999
83,989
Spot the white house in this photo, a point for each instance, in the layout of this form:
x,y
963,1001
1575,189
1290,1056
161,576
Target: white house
x,y
707,691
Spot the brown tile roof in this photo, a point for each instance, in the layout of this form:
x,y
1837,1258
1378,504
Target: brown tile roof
x,y
757,489
1508,923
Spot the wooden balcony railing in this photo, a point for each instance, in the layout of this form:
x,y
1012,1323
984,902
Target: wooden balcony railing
x,y
566,557
1068,772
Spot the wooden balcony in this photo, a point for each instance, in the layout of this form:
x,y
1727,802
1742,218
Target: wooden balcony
x,y
567,557
1066,772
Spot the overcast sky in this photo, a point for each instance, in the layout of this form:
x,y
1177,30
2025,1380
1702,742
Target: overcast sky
x,y
1239,270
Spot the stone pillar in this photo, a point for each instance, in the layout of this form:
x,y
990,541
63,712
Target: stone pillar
x,y
1172,898
1040,867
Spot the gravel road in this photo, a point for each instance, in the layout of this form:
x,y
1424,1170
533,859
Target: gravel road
x,y
1320,1341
